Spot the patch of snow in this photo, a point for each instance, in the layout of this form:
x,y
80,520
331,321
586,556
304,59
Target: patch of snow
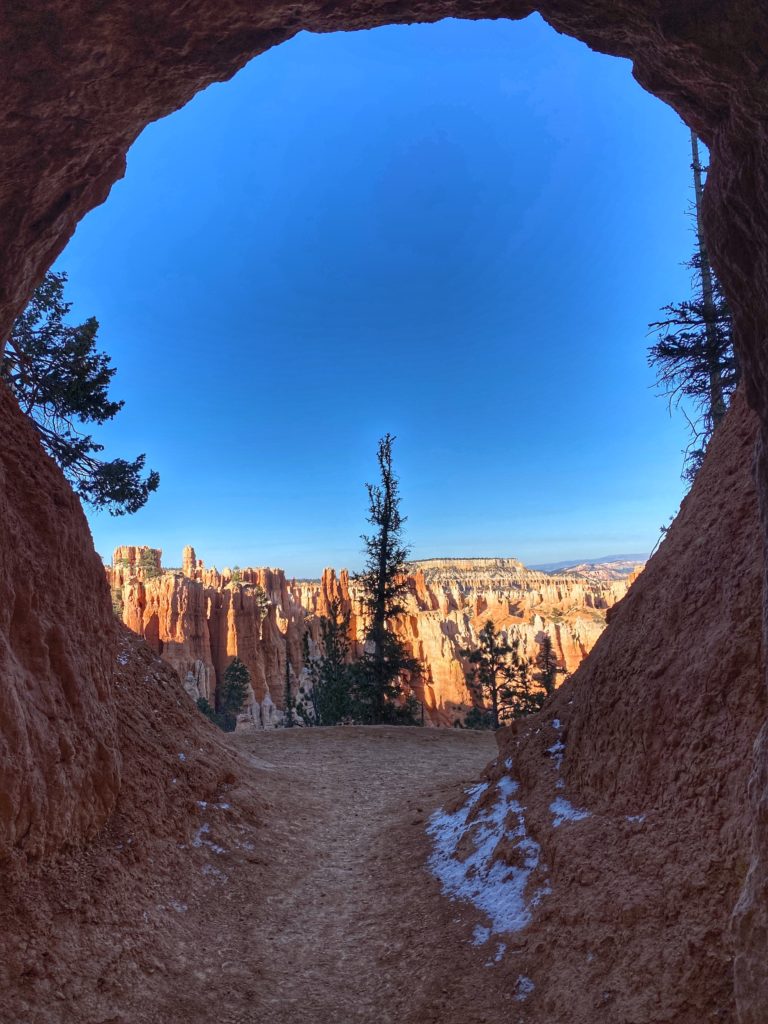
x,y
492,886
212,872
501,948
202,803
556,723
180,908
563,810
508,764
200,840
557,750
182,757
523,988
635,817
222,807
123,658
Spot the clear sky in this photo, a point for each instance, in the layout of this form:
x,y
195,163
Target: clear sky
x,y
455,232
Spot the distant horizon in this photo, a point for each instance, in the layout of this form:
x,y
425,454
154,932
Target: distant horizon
x,y
547,566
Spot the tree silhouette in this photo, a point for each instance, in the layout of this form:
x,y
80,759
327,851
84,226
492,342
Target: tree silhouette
x,y
61,382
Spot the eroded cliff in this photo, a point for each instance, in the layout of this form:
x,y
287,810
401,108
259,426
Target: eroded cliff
x,y
198,619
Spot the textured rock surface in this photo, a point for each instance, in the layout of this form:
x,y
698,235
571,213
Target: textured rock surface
x,y
59,762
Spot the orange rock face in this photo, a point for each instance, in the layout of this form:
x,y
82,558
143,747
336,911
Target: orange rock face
x,y
200,619
59,762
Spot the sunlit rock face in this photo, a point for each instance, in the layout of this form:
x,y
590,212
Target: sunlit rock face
x,y
199,619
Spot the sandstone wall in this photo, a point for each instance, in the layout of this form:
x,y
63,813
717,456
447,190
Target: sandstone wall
x,y
59,762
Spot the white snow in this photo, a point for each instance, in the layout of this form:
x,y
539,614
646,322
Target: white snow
x,y
494,887
635,817
557,750
182,757
200,840
123,658
523,988
563,810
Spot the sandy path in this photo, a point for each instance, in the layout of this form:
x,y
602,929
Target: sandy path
x,y
328,923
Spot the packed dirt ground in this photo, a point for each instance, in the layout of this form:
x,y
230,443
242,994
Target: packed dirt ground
x,y
299,895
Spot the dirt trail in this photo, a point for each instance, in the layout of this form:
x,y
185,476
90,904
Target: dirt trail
x,y
294,891
326,942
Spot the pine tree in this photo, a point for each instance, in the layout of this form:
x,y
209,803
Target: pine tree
x,y
379,687
694,357
288,700
61,382
499,676
231,695
148,564
547,664
330,674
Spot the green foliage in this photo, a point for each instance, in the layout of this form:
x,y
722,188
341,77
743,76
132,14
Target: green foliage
x,y
379,694
237,575
118,603
478,718
547,664
61,382
694,357
327,700
497,674
205,708
148,564
232,693
379,688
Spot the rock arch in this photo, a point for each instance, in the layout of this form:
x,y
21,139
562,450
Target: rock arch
x,y
80,80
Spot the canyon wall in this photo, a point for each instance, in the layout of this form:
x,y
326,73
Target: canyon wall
x,y
198,619
633,783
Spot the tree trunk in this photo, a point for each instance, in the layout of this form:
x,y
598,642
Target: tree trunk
x,y
716,395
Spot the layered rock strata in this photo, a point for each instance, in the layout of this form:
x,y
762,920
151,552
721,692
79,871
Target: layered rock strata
x,y
199,619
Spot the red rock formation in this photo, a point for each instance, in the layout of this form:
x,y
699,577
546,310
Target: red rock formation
x,y
199,624
59,758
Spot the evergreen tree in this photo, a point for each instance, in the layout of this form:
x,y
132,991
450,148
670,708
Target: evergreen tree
x,y
288,700
498,675
694,356
61,382
547,664
232,693
148,564
331,674
205,709
237,575
379,687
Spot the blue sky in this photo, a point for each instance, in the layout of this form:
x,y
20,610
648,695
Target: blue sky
x,y
455,232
